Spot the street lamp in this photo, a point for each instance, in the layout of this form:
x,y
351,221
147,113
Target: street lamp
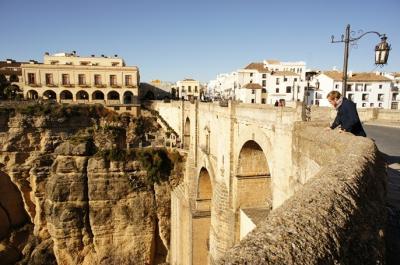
x,y
381,51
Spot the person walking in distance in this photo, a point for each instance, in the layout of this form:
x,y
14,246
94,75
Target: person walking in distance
x,y
347,116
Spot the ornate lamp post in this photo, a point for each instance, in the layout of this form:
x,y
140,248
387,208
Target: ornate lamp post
x,y
381,51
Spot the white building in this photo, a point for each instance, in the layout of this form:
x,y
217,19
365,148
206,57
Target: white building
x,y
367,90
264,82
187,89
395,96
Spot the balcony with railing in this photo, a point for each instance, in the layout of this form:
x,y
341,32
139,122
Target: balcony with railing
x,y
113,101
51,85
34,85
84,85
115,86
98,101
68,85
66,100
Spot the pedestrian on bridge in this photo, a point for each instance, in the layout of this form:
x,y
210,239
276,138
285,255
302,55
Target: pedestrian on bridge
x,y
347,116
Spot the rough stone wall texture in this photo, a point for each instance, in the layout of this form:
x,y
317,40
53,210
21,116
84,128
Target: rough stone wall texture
x,y
336,217
70,207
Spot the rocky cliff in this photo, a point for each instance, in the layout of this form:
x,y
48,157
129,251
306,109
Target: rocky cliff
x,y
71,194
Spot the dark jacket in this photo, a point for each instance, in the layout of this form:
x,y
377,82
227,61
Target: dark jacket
x,y
347,118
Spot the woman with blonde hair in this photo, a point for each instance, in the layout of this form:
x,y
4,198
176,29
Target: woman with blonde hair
x,y
347,116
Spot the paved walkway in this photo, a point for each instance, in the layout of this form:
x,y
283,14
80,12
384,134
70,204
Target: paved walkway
x,y
383,123
387,138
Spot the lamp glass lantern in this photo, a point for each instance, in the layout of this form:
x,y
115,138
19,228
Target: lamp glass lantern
x,y
382,51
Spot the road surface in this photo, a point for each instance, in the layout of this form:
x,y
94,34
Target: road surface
x,y
387,140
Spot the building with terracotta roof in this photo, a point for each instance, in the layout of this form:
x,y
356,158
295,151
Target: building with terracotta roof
x,y
263,82
366,90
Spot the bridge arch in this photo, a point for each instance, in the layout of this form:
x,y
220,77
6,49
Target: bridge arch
x,y
202,218
204,190
252,183
186,134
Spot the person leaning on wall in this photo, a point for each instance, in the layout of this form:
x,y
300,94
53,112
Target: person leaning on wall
x,y
347,116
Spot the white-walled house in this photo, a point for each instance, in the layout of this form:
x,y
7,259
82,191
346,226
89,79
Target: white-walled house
x,y
367,90
395,95
257,82
251,93
285,86
188,89
294,67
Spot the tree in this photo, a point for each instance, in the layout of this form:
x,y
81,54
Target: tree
x,y
3,84
11,91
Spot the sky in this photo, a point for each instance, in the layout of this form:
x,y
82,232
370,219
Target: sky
x,y
175,39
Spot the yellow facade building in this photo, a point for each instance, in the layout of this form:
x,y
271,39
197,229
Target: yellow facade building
x,y
69,78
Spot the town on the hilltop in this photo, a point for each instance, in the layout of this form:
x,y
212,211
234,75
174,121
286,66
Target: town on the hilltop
x,y
70,78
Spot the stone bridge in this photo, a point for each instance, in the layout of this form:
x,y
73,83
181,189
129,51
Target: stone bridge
x,y
244,161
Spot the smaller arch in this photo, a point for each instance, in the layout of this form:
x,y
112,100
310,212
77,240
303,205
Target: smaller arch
x,y
113,95
82,95
128,97
252,160
49,95
66,94
97,95
186,134
204,190
32,94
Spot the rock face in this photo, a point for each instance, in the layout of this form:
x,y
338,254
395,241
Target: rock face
x,y
62,204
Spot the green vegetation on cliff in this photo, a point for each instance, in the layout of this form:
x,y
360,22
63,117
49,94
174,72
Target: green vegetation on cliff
x,y
158,162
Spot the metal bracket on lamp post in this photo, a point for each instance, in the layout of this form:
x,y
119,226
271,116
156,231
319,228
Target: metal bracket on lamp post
x,y
381,50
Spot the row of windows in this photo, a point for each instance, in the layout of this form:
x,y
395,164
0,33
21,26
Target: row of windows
x,y
371,105
294,70
365,97
358,87
65,79
190,89
288,90
84,63
285,79
262,101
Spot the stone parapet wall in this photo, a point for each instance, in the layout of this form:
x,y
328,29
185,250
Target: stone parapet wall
x,y
336,217
366,114
389,115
